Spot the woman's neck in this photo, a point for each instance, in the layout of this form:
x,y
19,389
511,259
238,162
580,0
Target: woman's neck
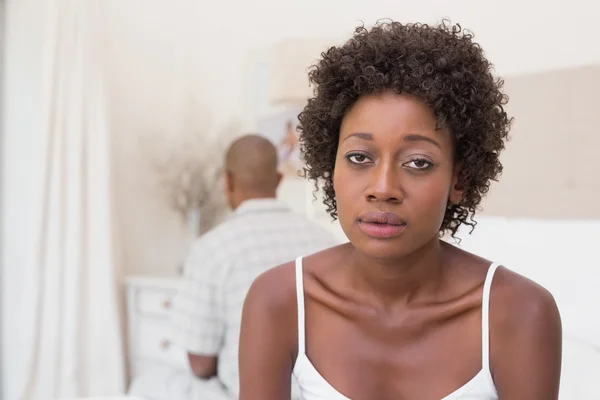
x,y
398,282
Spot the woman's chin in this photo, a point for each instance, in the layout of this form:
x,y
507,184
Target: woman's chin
x,y
382,250
391,249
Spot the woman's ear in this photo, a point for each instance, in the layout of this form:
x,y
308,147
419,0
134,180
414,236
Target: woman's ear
x,y
456,189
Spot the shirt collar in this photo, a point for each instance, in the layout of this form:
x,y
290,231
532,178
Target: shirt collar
x,y
261,205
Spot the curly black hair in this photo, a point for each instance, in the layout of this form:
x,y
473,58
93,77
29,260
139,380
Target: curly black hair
x,y
441,65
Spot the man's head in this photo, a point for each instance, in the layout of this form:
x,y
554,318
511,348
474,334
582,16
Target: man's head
x,y
251,170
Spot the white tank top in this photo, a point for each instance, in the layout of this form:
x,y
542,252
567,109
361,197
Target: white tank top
x,y
314,387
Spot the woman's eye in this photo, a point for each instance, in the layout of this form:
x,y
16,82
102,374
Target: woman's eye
x,y
419,163
358,158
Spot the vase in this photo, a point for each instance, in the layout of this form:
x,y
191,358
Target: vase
x,y
194,221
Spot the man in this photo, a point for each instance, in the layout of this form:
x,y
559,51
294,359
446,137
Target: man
x,y
261,233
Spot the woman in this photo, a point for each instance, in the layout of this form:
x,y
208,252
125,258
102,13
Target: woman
x,y
404,130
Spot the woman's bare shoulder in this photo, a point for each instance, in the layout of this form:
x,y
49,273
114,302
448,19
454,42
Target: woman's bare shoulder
x,y
514,298
525,330
274,292
519,301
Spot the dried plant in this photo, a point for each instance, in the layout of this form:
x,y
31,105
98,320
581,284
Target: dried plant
x,y
188,170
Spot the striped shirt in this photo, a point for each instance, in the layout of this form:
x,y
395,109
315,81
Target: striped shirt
x,y
261,234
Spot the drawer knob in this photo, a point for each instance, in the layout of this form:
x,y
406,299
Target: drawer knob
x,y
165,344
167,304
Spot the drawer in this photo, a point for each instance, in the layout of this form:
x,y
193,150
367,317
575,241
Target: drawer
x,y
154,341
154,302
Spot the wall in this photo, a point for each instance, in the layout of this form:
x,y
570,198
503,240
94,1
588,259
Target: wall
x,y
157,71
22,128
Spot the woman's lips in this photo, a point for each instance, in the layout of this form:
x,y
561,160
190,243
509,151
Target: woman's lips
x,y
381,225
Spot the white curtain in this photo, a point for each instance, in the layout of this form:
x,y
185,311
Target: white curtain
x,y
78,344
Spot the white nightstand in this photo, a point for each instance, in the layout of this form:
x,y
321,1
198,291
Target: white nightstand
x,y
149,301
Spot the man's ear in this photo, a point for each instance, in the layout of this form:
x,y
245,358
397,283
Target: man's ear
x,y
456,189
228,181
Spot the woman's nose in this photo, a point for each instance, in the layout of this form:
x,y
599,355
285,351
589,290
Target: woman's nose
x,y
385,184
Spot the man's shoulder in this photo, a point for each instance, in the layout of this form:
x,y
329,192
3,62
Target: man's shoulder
x,y
237,234
322,234
221,233
304,222
280,220
213,244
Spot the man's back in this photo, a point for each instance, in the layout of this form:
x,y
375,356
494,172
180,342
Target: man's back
x,y
223,264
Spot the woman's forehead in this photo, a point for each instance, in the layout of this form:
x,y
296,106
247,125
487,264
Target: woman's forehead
x,y
390,114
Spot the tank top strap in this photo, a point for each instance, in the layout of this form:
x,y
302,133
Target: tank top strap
x,y
485,318
300,303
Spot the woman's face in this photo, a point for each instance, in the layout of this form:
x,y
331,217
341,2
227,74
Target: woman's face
x,y
394,175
